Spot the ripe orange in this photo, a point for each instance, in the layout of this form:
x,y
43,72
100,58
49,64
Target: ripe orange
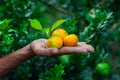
x,y
60,32
70,40
54,42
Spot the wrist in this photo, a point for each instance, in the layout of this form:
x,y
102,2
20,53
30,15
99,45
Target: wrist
x,y
12,60
24,53
28,51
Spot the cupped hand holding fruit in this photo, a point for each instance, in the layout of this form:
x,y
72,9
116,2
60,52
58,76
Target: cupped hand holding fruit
x,y
39,48
56,46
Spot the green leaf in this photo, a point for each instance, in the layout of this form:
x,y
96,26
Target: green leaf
x,y
35,24
5,24
4,48
57,23
8,39
56,73
1,33
47,30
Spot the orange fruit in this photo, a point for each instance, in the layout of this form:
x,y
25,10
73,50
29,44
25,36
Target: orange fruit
x,y
60,32
70,40
54,42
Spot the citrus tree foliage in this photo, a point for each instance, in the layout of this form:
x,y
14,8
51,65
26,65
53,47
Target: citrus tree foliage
x,y
96,22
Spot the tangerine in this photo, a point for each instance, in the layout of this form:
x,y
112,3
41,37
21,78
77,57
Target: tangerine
x,y
54,42
70,40
60,32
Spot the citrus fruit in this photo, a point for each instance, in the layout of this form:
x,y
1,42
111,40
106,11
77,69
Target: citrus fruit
x,y
103,68
60,32
54,42
70,40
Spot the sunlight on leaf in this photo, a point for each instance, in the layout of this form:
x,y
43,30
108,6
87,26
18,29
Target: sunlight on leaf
x,y
57,23
35,24
5,24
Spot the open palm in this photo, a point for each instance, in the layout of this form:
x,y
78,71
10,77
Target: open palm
x,y
39,48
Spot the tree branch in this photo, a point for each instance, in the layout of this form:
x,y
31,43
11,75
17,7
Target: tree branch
x,y
115,25
60,9
102,2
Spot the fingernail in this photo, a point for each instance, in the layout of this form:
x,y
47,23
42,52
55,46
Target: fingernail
x,y
91,49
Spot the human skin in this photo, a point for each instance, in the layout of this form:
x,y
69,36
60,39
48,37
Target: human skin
x,y
38,47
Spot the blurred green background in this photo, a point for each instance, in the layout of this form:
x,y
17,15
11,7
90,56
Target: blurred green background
x,y
97,22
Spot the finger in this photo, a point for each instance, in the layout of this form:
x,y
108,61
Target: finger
x,y
89,48
66,50
81,43
46,51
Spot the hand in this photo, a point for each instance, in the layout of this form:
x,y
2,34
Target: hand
x,y
39,48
